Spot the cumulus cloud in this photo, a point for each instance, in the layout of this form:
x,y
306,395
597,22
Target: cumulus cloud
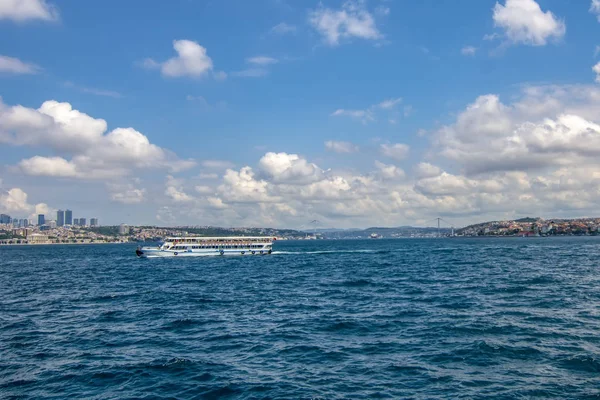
x,y
537,131
524,22
289,168
192,61
69,132
427,170
389,171
25,10
341,147
353,20
11,65
397,151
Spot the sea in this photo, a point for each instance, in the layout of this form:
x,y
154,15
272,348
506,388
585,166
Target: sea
x,y
502,318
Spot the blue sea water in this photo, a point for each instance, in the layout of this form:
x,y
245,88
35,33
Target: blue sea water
x,y
421,319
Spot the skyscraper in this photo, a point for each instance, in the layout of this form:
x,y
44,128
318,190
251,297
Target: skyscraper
x,y
41,220
5,219
68,217
93,221
82,222
60,218
75,221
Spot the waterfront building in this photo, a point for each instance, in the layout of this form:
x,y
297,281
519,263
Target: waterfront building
x,y
123,229
60,218
82,221
94,222
5,219
41,219
36,238
68,217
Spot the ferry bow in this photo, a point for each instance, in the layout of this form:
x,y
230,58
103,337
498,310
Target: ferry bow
x,y
194,246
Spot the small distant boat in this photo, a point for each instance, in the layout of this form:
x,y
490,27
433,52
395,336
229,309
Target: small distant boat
x,y
194,246
374,236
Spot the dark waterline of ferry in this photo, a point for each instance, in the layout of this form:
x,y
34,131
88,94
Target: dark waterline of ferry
x,y
422,319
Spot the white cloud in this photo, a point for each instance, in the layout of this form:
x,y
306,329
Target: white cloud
x,y
289,168
353,20
468,51
524,22
397,151
14,200
262,60
126,193
549,127
341,147
389,171
192,60
427,170
389,103
595,8
242,187
283,28
370,113
24,10
69,132
596,69
11,65
48,166
364,115
177,195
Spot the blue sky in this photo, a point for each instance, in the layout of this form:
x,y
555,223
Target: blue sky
x,y
275,112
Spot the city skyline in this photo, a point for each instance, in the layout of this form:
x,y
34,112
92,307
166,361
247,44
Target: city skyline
x,y
355,113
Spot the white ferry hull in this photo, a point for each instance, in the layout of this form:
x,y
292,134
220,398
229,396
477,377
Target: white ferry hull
x,y
145,252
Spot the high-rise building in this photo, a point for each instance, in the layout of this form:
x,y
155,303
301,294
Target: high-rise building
x,y
60,218
94,222
23,223
123,229
5,219
68,217
82,221
41,220
75,221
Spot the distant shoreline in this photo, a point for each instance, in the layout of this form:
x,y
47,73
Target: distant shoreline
x,y
58,244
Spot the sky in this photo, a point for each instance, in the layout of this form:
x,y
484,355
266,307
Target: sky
x,y
276,113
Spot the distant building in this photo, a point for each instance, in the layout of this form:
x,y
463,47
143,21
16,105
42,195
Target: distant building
x,y
94,222
123,229
5,219
51,224
82,222
41,220
60,218
75,221
36,238
68,217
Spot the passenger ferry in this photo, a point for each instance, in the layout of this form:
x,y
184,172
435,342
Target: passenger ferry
x,y
192,246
